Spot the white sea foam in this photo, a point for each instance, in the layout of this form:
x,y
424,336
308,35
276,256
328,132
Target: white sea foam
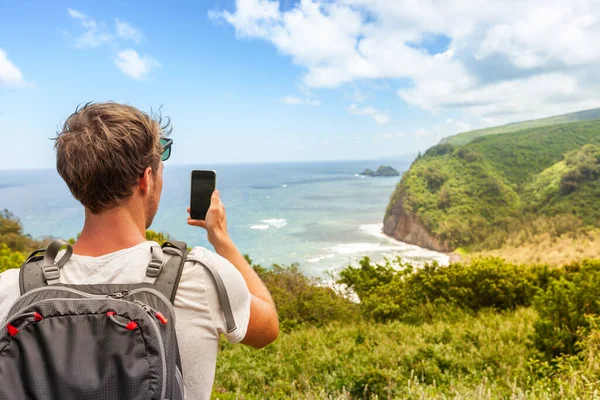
x,y
320,258
259,227
270,223
353,248
387,247
275,222
406,250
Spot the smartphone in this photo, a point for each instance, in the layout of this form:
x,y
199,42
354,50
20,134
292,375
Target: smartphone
x,y
203,186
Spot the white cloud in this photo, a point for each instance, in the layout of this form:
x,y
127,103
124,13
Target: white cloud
x,y
381,117
128,32
10,75
95,35
98,33
504,62
134,65
295,100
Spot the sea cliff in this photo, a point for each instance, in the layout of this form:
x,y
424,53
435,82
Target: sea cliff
x,y
477,196
406,227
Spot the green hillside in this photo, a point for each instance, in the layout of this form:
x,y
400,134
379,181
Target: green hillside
x,y
466,137
468,195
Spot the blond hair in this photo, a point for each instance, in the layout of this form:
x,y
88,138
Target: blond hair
x,y
102,150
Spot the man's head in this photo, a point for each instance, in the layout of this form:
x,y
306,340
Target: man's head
x,y
109,155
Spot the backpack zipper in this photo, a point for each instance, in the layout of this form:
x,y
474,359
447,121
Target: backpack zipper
x,y
116,295
159,295
163,354
119,295
152,312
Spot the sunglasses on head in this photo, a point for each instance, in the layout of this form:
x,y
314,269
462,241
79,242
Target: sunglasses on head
x,y
166,148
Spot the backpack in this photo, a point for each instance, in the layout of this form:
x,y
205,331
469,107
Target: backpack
x,y
92,342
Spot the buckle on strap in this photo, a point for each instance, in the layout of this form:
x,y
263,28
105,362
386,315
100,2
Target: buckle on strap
x,y
154,268
51,272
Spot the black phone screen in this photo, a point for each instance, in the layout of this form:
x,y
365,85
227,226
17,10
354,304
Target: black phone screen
x,y
203,186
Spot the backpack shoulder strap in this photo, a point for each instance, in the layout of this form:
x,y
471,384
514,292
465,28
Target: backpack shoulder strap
x,y
41,268
167,270
222,293
168,274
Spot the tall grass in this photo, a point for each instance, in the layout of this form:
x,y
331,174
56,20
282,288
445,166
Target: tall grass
x,y
386,360
544,248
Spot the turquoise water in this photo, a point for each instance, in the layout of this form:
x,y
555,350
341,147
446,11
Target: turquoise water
x,y
321,215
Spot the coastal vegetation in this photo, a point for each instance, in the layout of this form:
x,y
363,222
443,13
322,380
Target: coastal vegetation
x,y
484,329
15,245
529,184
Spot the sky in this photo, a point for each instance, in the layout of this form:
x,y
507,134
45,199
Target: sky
x,y
269,81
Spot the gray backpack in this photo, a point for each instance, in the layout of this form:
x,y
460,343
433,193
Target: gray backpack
x,y
109,341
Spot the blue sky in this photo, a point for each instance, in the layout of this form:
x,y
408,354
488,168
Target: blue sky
x,y
264,81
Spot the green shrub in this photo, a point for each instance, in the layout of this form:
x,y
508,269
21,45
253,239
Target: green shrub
x,y
11,234
564,309
302,300
396,290
10,258
158,237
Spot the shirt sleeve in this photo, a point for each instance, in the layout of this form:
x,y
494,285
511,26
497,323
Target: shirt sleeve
x,y
9,291
237,292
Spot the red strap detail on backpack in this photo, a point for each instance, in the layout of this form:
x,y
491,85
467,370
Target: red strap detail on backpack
x,y
37,316
12,331
132,325
161,318
111,314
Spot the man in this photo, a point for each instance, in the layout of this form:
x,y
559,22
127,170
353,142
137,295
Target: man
x,y
111,158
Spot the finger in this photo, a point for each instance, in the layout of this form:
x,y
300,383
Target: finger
x,y
188,210
196,222
215,198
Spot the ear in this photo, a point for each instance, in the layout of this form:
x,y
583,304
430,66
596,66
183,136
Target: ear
x,y
146,181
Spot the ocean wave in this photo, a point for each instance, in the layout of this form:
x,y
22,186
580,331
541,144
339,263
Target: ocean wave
x,y
275,222
363,247
270,223
320,258
259,227
405,250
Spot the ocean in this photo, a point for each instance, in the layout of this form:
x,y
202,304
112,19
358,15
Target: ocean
x,y
321,215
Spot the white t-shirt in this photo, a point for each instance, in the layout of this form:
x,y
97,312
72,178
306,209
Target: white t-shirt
x,y
200,320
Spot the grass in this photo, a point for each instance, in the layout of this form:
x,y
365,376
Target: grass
x,y
545,249
487,354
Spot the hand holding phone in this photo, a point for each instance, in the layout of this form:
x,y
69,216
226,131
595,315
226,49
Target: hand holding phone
x,y
202,188
207,210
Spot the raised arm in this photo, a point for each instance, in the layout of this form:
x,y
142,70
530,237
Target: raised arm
x,y
263,327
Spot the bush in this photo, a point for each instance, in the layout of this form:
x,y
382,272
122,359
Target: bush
x,y
158,237
564,309
302,300
10,258
11,234
395,290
